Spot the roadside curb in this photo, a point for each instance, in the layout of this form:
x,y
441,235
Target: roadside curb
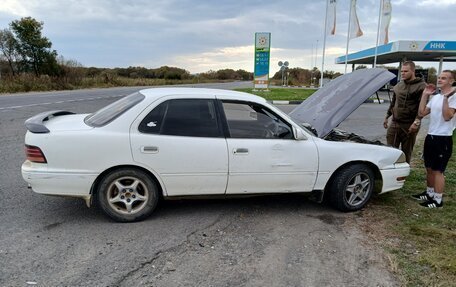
x,y
286,102
368,101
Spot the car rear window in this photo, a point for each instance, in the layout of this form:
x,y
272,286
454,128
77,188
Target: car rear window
x,y
112,111
183,117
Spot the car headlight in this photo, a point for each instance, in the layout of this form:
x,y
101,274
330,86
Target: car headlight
x,y
401,159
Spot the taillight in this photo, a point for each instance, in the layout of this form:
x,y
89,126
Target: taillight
x,y
34,154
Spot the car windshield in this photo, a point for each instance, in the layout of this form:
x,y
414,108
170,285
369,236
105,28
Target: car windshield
x,y
112,111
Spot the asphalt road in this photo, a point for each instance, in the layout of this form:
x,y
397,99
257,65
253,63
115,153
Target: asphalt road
x,y
263,241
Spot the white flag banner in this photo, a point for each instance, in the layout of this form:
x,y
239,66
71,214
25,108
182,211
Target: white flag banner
x,y
386,19
355,29
332,17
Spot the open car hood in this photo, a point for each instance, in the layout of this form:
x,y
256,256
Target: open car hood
x,y
335,101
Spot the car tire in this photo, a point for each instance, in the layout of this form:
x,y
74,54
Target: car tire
x,y
352,187
127,195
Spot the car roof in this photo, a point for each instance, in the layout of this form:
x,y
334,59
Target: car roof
x,y
154,93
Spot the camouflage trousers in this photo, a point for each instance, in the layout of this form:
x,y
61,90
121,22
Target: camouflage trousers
x,y
397,136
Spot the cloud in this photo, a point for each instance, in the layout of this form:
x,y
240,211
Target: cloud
x,y
232,57
13,7
439,3
202,34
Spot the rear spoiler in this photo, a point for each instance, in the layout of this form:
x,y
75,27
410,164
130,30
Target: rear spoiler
x,y
35,123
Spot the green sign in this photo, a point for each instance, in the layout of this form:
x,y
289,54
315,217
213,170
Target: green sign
x,y
262,57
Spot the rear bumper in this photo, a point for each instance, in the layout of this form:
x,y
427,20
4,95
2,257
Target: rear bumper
x,y
72,184
394,178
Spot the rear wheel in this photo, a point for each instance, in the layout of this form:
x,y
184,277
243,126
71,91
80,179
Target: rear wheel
x,y
127,195
352,187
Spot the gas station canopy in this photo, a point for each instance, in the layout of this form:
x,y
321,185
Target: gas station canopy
x,y
399,51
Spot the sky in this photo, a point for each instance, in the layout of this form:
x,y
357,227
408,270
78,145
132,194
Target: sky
x,y
203,35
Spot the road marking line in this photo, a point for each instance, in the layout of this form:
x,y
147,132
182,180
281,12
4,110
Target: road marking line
x,y
60,102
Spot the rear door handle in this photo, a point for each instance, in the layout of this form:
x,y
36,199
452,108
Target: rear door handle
x,y
241,151
149,149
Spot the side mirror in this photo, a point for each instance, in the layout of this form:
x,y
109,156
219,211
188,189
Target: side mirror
x,y
299,134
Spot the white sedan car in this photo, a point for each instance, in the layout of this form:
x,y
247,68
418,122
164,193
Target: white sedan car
x,y
183,142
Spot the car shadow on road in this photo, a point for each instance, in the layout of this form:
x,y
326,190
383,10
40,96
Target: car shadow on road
x,y
265,205
68,209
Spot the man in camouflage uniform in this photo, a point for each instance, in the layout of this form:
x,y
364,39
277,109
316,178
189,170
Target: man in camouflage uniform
x,y
405,122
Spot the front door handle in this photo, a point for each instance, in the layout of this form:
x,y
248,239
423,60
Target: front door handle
x,y
241,151
281,164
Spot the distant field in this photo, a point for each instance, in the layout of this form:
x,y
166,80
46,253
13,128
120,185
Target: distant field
x,y
279,94
27,83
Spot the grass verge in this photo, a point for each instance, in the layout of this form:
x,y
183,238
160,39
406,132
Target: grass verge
x,y
27,83
421,242
279,94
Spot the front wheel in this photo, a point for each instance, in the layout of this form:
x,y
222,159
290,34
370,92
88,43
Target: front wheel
x,y
127,195
352,187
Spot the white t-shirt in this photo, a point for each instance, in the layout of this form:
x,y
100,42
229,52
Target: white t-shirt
x,y
437,125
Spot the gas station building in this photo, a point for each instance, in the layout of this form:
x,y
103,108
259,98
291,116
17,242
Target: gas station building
x,y
400,51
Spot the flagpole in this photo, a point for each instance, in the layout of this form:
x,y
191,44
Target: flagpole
x,y
324,45
348,36
378,32
312,56
311,64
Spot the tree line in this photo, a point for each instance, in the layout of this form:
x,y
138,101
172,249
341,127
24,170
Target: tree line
x,y
304,77
28,62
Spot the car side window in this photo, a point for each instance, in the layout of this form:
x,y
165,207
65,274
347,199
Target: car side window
x,y
183,117
250,120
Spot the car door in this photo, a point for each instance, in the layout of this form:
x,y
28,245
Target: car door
x,y
264,157
182,142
